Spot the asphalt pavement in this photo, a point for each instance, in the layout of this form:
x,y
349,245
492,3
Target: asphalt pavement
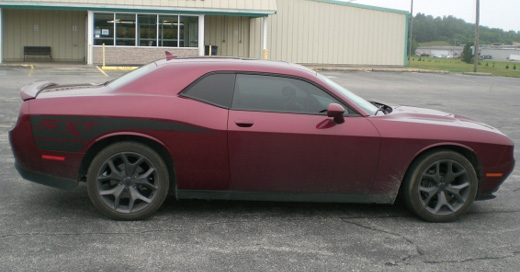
x,y
47,229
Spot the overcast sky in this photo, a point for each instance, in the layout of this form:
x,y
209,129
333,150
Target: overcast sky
x,y
504,14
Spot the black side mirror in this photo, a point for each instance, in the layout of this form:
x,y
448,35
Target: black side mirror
x,y
336,111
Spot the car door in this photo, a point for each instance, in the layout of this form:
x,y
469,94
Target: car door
x,y
281,140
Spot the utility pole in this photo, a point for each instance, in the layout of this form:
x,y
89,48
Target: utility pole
x,y
476,56
410,36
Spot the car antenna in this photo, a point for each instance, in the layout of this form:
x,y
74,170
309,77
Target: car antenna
x,y
169,55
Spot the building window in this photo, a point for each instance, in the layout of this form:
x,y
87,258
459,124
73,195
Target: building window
x,y
168,30
189,31
147,30
155,30
125,29
103,29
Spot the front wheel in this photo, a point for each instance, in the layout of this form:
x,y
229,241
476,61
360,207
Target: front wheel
x,y
441,186
127,181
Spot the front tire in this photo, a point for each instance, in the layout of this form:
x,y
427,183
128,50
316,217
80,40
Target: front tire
x,y
127,181
441,186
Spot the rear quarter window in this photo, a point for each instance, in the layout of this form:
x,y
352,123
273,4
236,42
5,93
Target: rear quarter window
x,y
214,89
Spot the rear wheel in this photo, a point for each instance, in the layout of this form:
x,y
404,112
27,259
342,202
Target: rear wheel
x,y
441,186
127,181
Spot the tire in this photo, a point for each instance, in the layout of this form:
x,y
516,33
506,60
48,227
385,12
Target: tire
x,y
127,181
440,186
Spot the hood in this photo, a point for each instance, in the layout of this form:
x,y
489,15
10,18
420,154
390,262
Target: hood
x,y
435,118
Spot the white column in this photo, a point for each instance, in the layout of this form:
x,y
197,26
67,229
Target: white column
x,y
201,35
264,39
1,36
90,37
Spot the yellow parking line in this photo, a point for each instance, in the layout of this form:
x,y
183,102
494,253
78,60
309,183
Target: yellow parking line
x,y
31,71
103,72
32,68
119,68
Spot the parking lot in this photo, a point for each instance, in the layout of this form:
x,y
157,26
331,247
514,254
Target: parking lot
x,y
47,229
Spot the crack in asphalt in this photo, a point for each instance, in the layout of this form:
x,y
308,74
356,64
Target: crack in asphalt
x,y
512,255
405,259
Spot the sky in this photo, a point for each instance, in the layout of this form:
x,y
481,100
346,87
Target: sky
x,y
504,14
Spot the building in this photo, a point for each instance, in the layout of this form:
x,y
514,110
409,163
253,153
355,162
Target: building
x,y
445,52
139,31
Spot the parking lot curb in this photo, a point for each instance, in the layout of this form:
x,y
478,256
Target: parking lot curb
x,y
477,74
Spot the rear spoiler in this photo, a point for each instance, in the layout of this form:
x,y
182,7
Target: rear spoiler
x,y
30,91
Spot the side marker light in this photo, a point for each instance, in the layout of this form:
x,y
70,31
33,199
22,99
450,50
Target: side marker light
x,y
53,158
494,175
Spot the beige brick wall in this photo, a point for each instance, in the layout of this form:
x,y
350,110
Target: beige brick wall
x,y
137,55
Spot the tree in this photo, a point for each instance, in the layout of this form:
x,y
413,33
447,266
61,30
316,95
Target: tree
x,y
414,46
427,28
466,53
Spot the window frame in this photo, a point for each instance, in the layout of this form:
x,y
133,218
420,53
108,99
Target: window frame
x,y
137,34
349,111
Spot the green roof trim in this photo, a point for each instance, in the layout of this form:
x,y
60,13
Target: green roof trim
x,y
337,2
122,9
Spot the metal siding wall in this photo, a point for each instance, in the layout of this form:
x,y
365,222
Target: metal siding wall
x,y
231,34
45,28
314,32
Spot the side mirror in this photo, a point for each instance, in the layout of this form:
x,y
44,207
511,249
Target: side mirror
x,y
336,111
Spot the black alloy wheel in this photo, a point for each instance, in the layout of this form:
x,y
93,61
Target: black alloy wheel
x,y
127,181
441,186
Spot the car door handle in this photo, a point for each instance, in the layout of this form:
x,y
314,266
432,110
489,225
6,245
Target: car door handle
x,y
244,123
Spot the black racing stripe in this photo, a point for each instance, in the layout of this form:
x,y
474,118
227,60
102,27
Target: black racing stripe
x,y
72,133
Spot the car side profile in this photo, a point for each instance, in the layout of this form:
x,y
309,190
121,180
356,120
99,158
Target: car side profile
x,y
239,129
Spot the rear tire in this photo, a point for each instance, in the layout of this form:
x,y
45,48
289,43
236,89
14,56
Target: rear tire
x,y
440,186
127,181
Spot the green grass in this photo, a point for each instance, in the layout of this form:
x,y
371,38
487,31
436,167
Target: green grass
x,y
435,43
496,68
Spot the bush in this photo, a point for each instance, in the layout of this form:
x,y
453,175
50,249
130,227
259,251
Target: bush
x,y
507,66
487,64
514,67
466,53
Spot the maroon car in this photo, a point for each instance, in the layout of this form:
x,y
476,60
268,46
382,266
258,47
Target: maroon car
x,y
221,128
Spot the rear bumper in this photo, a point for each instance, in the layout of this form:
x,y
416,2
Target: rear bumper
x,y
44,179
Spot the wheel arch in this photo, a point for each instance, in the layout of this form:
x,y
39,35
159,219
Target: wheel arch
x,y
151,142
465,151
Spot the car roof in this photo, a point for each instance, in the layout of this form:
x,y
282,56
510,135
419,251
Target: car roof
x,y
239,64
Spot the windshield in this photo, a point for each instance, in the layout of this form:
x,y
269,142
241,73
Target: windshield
x,y
349,96
131,76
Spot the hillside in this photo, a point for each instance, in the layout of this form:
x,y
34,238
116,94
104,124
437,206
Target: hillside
x,y
451,30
